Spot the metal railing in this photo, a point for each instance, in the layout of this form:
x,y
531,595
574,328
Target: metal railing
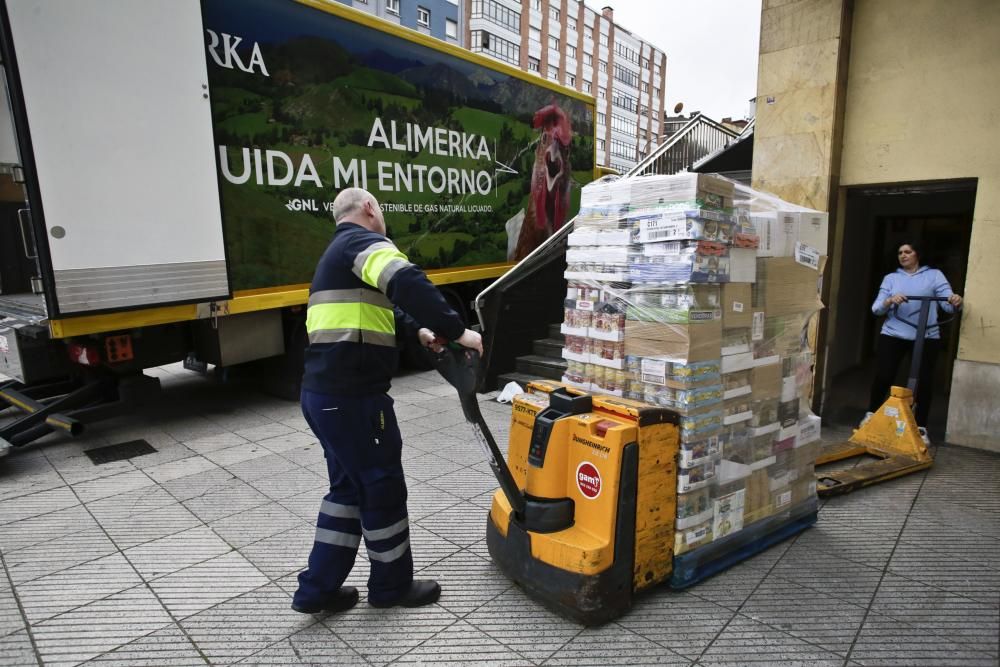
x,y
699,137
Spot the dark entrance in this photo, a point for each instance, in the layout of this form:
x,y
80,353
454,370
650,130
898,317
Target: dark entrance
x,y
937,215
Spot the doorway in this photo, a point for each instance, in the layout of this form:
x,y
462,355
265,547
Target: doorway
x,y
935,215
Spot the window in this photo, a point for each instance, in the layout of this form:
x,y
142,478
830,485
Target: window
x,y
588,33
656,93
553,42
645,86
626,76
571,23
496,13
588,60
534,65
535,34
602,94
603,66
451,28
423,17
602,118
645,63
571,51
392,6
499,48
622,124
571,81
622,149
554,73
600,144
623,101
587,87
626,52
604,39
537,5
554,13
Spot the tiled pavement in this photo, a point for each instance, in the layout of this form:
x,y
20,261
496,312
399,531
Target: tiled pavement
x,y
188,557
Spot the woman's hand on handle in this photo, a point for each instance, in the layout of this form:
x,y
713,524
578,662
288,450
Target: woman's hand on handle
x,y
895,300
955,300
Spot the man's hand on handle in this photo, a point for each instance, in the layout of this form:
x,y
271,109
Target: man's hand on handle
x,y
469,339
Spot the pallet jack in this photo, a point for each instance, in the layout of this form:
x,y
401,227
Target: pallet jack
x,y
584,516
890,434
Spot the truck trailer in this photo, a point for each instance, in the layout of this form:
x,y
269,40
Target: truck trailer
x,y
172,165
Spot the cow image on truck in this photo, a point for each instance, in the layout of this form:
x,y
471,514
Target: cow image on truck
x,y
173,166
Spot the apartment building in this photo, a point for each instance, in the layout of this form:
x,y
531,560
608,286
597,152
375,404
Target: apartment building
x,y
437,18
567,42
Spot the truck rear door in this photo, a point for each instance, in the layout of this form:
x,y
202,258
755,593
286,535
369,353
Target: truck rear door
x,y
111,106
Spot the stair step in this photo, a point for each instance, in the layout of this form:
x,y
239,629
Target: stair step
x,y
545,367
548,347
554,331
521,378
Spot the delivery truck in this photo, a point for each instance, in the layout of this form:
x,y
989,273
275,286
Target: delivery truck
x,y
172,164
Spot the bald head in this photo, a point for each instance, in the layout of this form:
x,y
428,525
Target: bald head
x,y
359,206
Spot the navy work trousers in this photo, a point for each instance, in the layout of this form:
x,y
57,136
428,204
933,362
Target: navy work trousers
x,y
362,446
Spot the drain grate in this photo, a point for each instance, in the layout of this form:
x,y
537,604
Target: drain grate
x,y
120,452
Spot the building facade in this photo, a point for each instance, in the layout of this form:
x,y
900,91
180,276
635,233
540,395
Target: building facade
x,y
567,42
437,18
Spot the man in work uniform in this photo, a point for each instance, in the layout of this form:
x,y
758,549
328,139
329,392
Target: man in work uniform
x,y
362,287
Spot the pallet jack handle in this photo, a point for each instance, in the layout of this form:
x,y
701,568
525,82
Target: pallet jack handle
x,y
460,367
921,326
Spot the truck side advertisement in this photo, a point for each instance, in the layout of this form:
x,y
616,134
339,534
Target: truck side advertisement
x,y
473,166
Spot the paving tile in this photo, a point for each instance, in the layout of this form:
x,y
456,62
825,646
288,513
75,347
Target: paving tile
x,y
16,481
681,621
77,467
36,504
828,577
746,642
131,504
304,505
462,524
613,645
61,553
429,466
406,411
467,581
313,645
462,644
165,453
99,627
307,456
522,625
260,467
63,591
192,486
16,650
207,584
114,485
211,443
973,624
802,613
238,453
290,483
43,528
176,552
949,567
290,440
283,553
228,497
167,647
255,524
383,635
423,500
264,431
244,625
892,642
465,483
190,465
130,530
11,620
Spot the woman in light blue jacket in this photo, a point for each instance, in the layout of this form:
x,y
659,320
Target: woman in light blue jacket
x,y
910,279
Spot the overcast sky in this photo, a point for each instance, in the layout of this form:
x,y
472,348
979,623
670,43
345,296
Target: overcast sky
x,y
711,48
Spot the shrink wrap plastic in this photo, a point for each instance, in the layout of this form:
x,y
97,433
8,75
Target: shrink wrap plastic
x,y
652,313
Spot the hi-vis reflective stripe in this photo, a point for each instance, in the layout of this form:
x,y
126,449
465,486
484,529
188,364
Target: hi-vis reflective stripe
x,y
337,538
359,295
354,321
340,511
391,554
386,533
378,263
352,336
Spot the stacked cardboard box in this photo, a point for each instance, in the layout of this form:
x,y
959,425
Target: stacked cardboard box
x,y
693,293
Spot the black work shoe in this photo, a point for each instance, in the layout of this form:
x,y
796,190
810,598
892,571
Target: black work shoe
x,y
342,600
420,593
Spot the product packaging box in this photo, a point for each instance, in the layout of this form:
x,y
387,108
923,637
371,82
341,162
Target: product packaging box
x,y
766,382
675,342
737,305
742,265
785,287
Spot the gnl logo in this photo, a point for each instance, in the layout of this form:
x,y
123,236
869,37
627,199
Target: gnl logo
x,y
229,58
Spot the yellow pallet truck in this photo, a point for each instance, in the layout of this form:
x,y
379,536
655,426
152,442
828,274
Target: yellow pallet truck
x,y
890,434
584,516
